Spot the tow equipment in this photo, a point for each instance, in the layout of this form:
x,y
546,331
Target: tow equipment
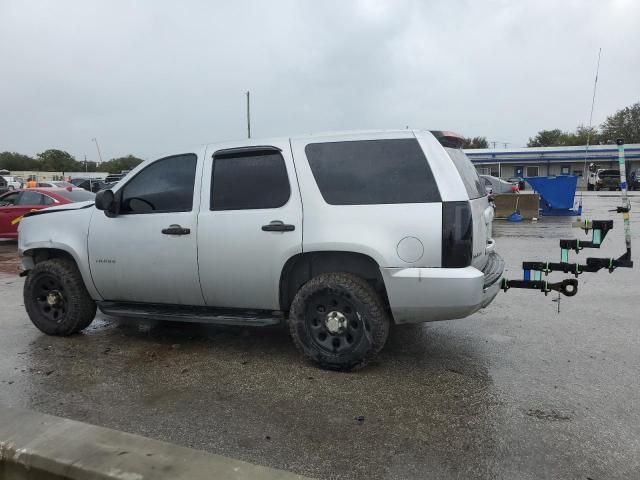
x,y
534,271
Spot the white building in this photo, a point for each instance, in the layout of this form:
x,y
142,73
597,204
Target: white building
x,y
537,161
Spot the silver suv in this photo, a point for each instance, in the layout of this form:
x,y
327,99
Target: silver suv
x,y
341,235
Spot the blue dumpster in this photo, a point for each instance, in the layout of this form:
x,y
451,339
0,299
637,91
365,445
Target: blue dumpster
x,y
557,194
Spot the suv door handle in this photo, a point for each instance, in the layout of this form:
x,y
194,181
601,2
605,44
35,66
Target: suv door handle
x,y
278,226
176,230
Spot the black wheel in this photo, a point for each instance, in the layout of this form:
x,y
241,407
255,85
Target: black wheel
x,y
56,299
590,187
338,321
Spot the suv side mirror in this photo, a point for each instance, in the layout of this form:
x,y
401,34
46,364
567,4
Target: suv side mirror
x,y
105,200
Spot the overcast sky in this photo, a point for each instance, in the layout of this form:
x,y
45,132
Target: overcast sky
x,y
151,76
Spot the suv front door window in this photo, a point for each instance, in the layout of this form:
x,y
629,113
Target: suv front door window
x,y
149,262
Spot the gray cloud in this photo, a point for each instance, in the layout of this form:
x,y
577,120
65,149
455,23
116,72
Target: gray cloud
x,y
151,75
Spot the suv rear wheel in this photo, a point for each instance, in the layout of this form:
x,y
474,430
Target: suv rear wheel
x,y
338,321
56,299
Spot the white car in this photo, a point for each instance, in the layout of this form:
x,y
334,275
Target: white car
x,y
340,235
13,183
55,184
497,185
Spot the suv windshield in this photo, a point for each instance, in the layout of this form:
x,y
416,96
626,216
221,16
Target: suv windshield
x,y
468,173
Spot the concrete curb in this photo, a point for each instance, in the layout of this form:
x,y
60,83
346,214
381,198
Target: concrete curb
x,y
44,447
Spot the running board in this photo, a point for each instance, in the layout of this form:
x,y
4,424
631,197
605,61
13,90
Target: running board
x,y
182,313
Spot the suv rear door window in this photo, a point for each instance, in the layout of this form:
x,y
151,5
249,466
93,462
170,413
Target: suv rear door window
x,y
366,172
164,186
468,173
249,180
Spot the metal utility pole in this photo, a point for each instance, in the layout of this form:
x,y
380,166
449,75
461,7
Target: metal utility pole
x,y
494,144
248,114
505,144
86,168
98,148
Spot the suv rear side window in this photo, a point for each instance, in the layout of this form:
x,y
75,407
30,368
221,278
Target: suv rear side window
x,y
468,173
164,186
366,172
249,180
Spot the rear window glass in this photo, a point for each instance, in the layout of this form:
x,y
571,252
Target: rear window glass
x,y
372,172
78,195
468,173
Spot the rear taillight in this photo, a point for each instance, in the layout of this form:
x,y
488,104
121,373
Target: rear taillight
x,y
457,234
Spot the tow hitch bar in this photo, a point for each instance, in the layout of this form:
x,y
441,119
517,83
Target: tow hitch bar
x,y
568,287
533,271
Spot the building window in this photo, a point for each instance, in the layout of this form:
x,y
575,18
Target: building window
x,y
565,169
577,173
532,171
484,170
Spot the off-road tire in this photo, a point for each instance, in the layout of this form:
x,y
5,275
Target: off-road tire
x,y
79,309
358,303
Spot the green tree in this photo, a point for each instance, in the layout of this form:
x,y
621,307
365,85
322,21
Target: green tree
x,y
624,124
58,161
16,162
476,142
583,135
548,138
116,165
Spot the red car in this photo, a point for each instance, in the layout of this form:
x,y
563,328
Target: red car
x,y
15,204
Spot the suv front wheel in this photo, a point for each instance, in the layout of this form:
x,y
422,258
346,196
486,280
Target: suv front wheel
x,y
338,321
56,299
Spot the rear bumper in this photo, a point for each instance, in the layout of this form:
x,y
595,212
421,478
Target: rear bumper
x,y
428,294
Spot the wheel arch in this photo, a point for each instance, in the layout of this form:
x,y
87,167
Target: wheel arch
x,y
302,267
37,254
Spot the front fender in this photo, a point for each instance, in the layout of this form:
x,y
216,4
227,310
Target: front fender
x,y
65,231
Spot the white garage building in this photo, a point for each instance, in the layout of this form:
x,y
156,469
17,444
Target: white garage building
x,y
537,161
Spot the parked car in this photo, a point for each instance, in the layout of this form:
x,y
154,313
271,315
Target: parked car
x,y
13,183
3,185
114,177
340,235
90,184
607,179
634,179
520,181
16,203
55,184
497,185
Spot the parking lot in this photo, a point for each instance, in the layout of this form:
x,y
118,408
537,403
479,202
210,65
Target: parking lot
x,y
518,390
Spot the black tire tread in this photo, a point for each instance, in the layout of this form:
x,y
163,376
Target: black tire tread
x,y
366,295
82,308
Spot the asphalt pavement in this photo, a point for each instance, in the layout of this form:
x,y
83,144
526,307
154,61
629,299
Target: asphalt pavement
x,y
517,390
